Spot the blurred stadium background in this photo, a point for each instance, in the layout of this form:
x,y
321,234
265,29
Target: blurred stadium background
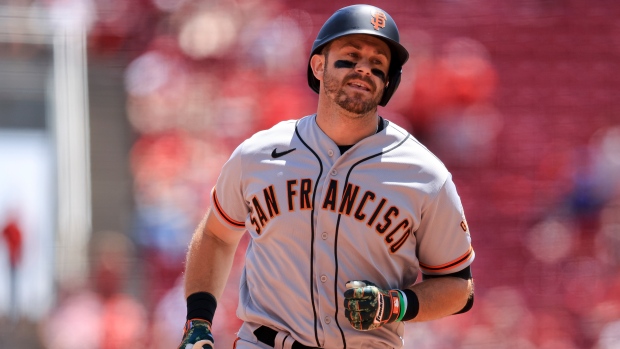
x,y
116,115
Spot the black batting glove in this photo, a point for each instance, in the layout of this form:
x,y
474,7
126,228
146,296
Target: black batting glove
x,y
368,307
197,335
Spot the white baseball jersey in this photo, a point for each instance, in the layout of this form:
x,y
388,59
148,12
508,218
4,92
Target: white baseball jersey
x,y
382,211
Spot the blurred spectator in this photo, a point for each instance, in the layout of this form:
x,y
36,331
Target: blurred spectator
x,y
551,241
13,237
102,314
459,76
122,25
172,180
467,136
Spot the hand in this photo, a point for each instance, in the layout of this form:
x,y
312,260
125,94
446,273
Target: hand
x,y
197,335
368,307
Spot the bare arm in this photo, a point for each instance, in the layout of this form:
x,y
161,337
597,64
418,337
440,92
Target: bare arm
x,y
441,297
210,257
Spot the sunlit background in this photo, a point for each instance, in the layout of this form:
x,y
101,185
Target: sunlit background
x,y
116,115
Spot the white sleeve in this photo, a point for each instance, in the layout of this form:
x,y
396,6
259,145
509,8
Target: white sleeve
x,y
227,196
443,239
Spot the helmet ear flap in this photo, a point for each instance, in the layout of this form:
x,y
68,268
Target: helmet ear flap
x,y
391,87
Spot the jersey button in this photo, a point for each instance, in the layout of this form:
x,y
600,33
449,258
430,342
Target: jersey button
x,y
324,236
334,172
330,152
323,278
328,320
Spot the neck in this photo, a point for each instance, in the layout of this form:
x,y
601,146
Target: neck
x,y
346,128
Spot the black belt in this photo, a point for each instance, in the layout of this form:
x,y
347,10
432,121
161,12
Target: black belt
x,y
268,336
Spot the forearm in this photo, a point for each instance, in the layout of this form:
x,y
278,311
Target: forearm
x,y
209,261
441,297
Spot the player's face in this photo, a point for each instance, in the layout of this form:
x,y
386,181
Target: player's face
x,y
356,68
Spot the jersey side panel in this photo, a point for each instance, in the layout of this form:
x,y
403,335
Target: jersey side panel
x,y
444,241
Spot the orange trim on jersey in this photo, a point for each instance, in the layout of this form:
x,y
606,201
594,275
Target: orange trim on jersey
x,y
223,214
455,263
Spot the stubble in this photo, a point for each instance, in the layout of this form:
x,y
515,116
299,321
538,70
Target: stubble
x,y
355,103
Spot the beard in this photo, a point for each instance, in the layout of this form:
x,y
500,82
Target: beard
x,y
357,102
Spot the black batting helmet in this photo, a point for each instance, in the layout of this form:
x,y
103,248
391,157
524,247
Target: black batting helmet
x,y
363,19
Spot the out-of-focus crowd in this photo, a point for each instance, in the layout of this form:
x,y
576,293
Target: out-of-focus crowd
x,y
519,100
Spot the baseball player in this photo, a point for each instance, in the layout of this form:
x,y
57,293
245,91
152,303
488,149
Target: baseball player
x,y
344,209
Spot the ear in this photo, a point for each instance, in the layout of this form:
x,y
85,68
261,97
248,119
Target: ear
x,y
317,63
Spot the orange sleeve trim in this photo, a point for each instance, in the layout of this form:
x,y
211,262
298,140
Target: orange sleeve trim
x,y
455,263
223,214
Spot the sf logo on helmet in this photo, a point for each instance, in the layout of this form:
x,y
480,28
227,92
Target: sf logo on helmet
x,y
378,20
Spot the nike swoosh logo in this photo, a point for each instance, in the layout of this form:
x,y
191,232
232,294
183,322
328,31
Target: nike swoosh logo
x,y
275,154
